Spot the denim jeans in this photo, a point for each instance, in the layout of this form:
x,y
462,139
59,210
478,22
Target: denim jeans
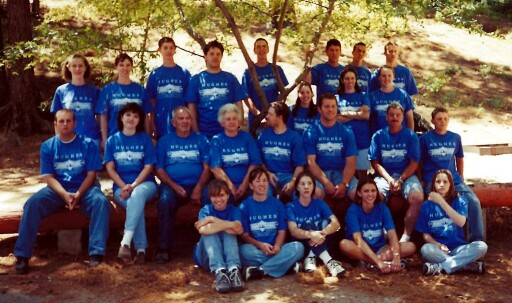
x,y
216,251
275,266
457,258
134,205
45,202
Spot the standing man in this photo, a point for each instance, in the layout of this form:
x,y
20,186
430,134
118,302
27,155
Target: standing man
x,y
442,149
363,73
183,169
395,153
326,76
266,78
331,152
166,88
210,89
68,165
282,150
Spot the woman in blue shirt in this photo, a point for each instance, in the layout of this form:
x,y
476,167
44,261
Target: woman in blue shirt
x,y
303,113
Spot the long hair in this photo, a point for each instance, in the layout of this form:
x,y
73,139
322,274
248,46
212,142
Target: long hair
x,y
452,194
312,110
363,182
134,108
302,174
66,73
341,86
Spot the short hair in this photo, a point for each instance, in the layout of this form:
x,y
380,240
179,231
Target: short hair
x,y
281,109
332,42
385,67
165,40
438,110
302,174
216,187
226,108
178,108
260,39
395,105
257,172
312,110
390,43
134,108
358,44
122,57
213,44
325,96
66,73
64,110
341,86
363,182
452,194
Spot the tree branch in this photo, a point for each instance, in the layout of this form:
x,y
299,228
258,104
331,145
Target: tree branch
x,y
279,32
190,31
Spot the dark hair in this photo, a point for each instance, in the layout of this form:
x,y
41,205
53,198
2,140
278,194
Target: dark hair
x,y
358,44
385,67
363,182
121,57
332,42
64,110
281,110
257,172
134,108
165,40
312,110
341,86
216,187
395,105
260,39
66,73
304,173
438,110
213,44
452,194
325,96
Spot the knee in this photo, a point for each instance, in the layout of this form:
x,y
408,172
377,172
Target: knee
x,y
481,246
298,248
415,198
428,249
345,244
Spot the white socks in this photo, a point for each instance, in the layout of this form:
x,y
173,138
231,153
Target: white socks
x,y
127,238
404,238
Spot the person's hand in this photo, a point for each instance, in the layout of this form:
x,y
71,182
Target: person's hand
x,y
71,200
272,179
443,248
383,267
180,191
395,186
316,238
195,197
436,198
395,264
266,248
275,250
288,188
341,190
330,189
240,192
126,191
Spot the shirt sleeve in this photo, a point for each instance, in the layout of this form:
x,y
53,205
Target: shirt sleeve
x,y
352,221
282,75
56,102
374,150
151,86
422,222
47,167
102,105
204,212
290,212
350,142
282,216
388,219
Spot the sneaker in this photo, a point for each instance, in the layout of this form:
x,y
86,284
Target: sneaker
x,y
140,258
95,260
335,268
222,284
21,266
235,278
432,269
162,258
477,267
253,273
368,266
295,269
310,264
124,252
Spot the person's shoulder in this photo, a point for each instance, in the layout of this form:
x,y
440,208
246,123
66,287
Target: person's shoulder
x,y
402,68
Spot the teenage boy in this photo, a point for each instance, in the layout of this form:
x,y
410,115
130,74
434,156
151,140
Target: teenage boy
x,y
363,73
326,75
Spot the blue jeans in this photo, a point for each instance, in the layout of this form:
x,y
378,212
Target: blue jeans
x,y
274,266
457,258
45,202
134,205
216,251
168,204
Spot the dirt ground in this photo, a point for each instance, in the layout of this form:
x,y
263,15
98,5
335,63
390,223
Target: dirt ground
x,y
62,278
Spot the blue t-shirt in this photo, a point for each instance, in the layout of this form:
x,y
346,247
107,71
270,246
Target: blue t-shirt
x,y
209,92
234,155
331,145
371,225
267,81
301,121
380,101
114,96
263,220
326,78
403,79
230,213
363,77
130,154
69,162
81,100
438,152
361,128
315,214
167,85
281,153
434,221
183,158
394,151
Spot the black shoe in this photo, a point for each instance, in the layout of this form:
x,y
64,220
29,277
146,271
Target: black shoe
x,y
95,260
162,257
21,265
222,283
235,279
253,273
140,258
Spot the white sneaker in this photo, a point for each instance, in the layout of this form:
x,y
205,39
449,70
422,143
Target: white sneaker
x,y
335,268
310,264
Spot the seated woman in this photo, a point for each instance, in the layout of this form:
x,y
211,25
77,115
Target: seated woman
x,y
369,228
264,223
311,221
129,159
233,152
441,220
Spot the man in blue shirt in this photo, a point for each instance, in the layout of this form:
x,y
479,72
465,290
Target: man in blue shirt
x,y
395,153
183,169
68,165
363,73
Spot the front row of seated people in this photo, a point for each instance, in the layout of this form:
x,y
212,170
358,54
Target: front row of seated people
x,y
69,163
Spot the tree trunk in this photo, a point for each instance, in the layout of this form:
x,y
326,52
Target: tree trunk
x,y
4,96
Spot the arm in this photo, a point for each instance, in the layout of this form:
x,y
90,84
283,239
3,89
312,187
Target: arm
x,y
203,179
290,186
264,247
281,235
395,250
71,199
193,112
245,183
457,218
315,236
409,119
250,105
348,172
165,179
363,113
220,174
319,174
367,251
149,126
460,166
428,239
240,106
212,225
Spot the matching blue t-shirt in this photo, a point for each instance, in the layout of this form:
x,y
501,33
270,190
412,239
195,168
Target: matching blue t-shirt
x,y
363,77
281,153
263,220
301,121
403,80
230,213
361,128
379,102
311,217
326,78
